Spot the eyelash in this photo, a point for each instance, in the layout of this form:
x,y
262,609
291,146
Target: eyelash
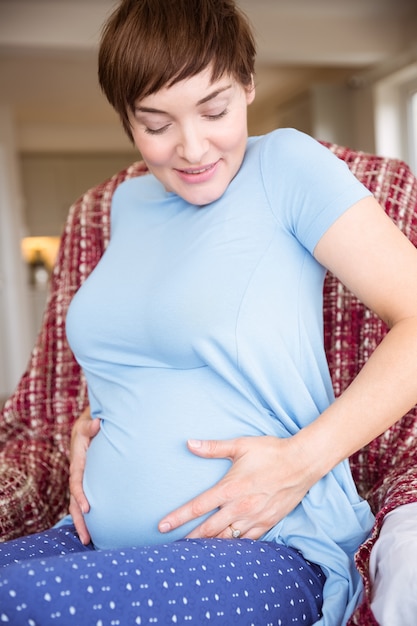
x,y
210,118
157,131
218,116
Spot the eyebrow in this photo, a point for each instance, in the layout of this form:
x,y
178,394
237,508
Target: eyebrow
x,y
213,95
207,98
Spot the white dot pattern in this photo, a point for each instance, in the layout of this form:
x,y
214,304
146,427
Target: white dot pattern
x,y
50,579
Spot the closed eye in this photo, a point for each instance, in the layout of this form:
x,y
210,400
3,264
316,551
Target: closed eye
x,y
157,131
217,116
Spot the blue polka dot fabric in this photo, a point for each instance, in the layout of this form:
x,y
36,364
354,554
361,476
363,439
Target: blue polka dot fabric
x,y
52,579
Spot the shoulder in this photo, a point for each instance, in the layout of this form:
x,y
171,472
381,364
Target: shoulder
x,y
296,158
143,188
307,186
145,184
288,153
289,146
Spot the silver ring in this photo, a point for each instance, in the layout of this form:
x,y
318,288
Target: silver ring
x,y
235,532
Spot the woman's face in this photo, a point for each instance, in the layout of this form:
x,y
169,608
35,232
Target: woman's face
x,y
193,135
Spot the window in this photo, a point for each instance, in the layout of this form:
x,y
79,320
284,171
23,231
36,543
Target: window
x,y
412,123
395,98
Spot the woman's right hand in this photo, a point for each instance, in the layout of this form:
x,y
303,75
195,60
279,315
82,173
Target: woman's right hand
x,y
83,431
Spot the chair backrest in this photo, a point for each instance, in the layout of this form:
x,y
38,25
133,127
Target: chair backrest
x,y
352,331
36,421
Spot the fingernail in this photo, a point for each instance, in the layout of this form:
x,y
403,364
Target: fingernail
x,y
194,443
164,527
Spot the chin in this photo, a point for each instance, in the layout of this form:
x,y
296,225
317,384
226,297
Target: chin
x,y
201,197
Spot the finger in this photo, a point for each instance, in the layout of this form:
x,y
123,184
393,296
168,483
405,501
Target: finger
x,y
81,439
77,492
79,522
214,448
241,530
76,475
94,427
215,525
194,509
85,429
85,416
235,530
218,525
229,532
80,443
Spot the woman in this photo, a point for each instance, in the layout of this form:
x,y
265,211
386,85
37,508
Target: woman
x,y
216,485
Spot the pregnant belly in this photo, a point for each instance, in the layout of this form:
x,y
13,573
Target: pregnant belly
x,y
139,467
131,487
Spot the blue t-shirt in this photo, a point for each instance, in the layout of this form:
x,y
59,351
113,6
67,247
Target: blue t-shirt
x,y
206,322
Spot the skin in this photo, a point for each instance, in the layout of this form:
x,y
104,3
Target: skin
x,y
192,136
182,130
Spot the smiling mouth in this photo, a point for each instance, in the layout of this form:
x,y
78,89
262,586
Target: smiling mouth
x,y
198,175
200,170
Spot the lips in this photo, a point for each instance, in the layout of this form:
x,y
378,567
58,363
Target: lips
x,y
198,174
199,171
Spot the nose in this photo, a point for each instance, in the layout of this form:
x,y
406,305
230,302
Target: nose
x,y
193,144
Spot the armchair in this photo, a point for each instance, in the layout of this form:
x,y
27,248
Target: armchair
x,y
36,421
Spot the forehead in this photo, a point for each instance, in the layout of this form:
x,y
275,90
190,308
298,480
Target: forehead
x,y
195,90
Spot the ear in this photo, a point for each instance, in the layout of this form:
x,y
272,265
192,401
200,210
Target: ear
x,y
250,92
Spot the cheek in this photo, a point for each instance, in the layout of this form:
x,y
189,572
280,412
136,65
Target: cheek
x,y
237,134
152,152
235,145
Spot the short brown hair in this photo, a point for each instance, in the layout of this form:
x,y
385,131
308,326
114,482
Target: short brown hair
x,y
150,44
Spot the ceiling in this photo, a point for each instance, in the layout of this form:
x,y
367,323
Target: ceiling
x,y
48,56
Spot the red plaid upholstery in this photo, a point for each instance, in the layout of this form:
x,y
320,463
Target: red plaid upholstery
x,y
36,421
385,471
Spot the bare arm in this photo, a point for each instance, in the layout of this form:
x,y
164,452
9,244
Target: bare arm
x,y
376,261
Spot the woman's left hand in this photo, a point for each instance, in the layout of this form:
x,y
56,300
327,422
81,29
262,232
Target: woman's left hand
x,y
268,478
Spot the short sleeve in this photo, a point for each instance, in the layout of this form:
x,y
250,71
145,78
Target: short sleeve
x,y
307,186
